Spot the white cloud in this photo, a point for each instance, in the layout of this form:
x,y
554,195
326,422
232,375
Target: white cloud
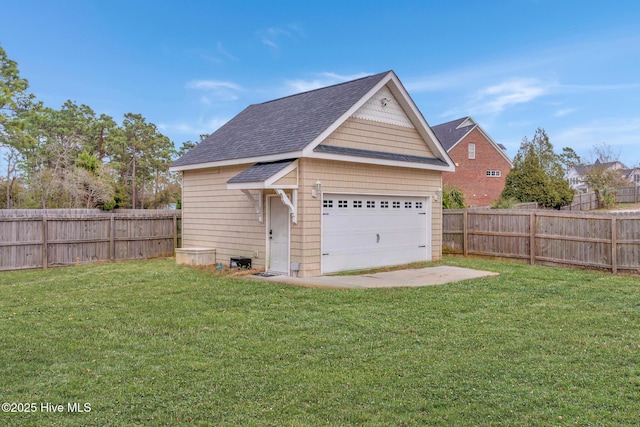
x,y
564,112
494,99
271,36
192,130
321,80
222,51
212,85
215,90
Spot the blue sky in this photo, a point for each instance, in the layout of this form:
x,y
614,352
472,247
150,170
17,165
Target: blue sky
x,y
570,67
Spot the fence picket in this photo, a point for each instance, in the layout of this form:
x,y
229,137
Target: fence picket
x,y
583,239
71,236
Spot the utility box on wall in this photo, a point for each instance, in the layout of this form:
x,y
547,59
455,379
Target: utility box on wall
x,y
195,256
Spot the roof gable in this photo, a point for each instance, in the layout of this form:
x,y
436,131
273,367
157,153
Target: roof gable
x,y
294,126
451,133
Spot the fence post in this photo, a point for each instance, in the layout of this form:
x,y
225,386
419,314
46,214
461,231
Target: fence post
x,y
112,243
614,245
175,233
532,238
465,237
45,254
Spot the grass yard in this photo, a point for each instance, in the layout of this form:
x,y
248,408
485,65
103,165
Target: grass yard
x,y
152,343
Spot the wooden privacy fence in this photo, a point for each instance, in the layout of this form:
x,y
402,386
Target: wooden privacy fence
x,y
594,240
589,201
43,238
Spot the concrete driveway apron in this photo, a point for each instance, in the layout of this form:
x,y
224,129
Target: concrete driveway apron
x,y
389,279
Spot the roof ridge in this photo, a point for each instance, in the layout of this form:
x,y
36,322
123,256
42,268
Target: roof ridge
x,y
325,87
460,119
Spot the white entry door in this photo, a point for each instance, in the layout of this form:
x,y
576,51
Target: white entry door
x,y
365,231
278,236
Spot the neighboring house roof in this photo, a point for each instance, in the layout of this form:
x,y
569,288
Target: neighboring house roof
x,y
294,126
583,169
451,133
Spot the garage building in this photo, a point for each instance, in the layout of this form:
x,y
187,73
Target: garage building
x,y
343,177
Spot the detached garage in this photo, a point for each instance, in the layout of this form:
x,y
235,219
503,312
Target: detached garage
x,y
340,178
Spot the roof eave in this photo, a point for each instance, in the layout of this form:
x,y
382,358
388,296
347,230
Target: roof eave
x,y
381,162
239,161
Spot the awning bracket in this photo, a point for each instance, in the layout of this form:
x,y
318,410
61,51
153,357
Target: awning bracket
x,y
257,204
291,204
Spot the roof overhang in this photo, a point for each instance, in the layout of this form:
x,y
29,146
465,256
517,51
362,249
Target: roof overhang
x,y
239,161
379,158
265,175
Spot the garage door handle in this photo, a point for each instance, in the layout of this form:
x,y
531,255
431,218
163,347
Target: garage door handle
x,y
377,238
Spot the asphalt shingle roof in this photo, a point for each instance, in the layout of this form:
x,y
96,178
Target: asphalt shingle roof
x,y
280,126
260,171
378,155
448,134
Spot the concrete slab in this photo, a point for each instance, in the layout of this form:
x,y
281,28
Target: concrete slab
x,y
389,279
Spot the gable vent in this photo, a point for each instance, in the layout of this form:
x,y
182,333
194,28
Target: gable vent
x,y
383,108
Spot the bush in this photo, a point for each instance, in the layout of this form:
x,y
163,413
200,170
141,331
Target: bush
x,y
452,198
505,203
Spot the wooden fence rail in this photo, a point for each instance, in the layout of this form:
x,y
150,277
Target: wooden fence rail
x,y
589,201
609,241
39,239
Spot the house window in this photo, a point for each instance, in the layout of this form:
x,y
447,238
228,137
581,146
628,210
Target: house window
x,y
418,205
494,173
327,203
357,203
371,203
343,204
384,205
472,151
396,205
407,205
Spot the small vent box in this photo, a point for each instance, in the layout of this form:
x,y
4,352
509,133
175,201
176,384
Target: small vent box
x,y
240,262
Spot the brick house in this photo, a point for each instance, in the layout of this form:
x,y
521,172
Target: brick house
x,y
481,164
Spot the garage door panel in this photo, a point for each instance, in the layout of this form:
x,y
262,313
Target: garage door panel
x,y
363,231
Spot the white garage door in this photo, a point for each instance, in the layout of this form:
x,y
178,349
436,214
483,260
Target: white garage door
x,y
363,231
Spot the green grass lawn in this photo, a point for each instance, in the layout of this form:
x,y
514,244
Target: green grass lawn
x,y
152,343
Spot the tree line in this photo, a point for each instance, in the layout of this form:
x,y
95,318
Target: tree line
x,y
72,157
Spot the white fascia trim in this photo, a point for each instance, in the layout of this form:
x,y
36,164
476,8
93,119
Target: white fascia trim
x,y
382,162
258,185
241,161
468,121
498,149
308,150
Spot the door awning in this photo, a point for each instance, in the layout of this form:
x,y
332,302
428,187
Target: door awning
x,y
282,174
278,176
